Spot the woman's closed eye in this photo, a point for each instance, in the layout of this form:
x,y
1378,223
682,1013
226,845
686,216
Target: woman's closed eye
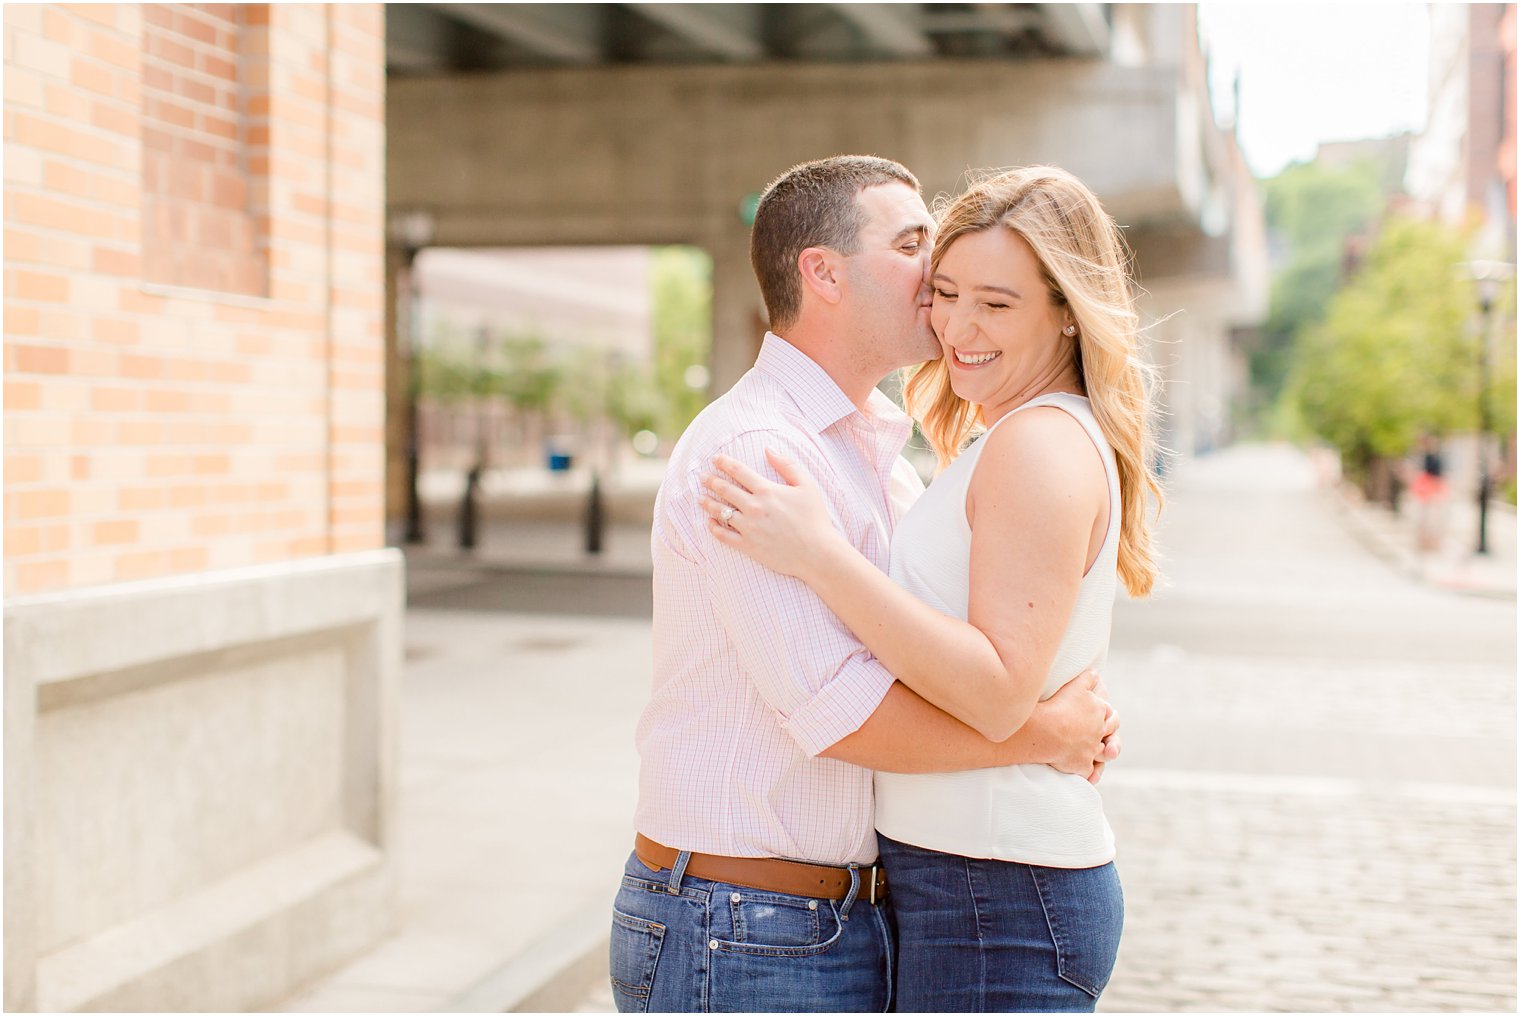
x,y
941,294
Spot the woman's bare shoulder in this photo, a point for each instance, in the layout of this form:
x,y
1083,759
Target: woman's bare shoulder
x,y
1041,452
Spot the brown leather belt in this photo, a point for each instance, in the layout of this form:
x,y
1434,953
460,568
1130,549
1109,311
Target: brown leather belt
x,y
772,874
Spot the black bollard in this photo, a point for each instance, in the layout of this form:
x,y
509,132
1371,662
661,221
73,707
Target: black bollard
x,y
596,518
468,508
414,531
1485,491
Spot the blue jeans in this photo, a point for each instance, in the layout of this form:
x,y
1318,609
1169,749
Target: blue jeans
x,y
684,944
998,936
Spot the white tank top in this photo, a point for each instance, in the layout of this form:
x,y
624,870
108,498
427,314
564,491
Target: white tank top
x,y
1029,813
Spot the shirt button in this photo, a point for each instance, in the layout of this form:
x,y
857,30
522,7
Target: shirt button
x,y
712,943
734,898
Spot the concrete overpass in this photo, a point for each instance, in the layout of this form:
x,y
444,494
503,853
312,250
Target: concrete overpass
x,y
537,124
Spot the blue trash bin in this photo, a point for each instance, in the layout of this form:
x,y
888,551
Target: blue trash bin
x,y
558,455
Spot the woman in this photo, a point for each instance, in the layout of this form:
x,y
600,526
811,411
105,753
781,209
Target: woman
x,y
1001,589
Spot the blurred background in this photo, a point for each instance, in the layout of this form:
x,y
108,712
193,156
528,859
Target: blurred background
x,y
344,346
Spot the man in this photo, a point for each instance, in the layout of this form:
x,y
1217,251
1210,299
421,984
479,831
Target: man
x,y
752,885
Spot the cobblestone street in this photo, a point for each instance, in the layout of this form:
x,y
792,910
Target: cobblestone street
x,y
1316,806
1255,893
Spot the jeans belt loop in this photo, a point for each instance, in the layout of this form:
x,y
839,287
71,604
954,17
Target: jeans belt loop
x,y
678,872
849,900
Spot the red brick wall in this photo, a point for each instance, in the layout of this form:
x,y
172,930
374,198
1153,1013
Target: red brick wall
x,y
1485,102
1507,98
203,66
152,429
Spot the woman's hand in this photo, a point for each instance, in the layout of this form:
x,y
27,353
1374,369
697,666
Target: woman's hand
x,y
783,526
1078,727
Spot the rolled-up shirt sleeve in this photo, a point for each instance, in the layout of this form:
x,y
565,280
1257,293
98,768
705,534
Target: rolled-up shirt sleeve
x,y
804,663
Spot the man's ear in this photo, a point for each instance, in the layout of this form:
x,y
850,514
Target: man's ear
x,y
820,270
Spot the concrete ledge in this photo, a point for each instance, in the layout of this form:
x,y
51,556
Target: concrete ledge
x,y
553,974
200,784
133,623
150,963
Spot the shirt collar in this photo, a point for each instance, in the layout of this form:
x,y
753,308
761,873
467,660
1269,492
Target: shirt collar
x,y
821,401
817,396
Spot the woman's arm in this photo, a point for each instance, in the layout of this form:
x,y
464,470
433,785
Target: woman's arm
x,y
1033,503
1074,731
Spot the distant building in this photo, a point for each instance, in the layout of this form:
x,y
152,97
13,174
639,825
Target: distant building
x,y
596,297
1390,153
1461,167
1507,143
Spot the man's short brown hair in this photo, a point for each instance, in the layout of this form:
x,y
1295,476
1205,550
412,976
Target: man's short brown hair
x,y
811,205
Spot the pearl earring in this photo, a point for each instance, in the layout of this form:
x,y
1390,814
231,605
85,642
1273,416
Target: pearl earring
x,y
1070,330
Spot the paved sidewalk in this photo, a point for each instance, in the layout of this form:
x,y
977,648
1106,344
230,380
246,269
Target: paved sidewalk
x,y
518,777
1455,565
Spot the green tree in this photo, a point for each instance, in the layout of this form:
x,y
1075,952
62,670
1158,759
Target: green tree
x,y
633,398
681,280
585,399
1315,206
529,378
1312,211
1397,353
443,375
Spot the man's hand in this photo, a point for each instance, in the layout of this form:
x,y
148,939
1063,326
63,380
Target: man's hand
x,y
1076,730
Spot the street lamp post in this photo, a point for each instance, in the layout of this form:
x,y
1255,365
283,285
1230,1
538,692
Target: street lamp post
x,y
1487,276
1486,294
412,231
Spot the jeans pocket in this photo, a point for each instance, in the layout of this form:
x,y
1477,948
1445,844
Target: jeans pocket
x,y
766,924
632,957
1084,908
767,920
845,970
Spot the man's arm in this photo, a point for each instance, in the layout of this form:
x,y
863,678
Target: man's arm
x,y
908,735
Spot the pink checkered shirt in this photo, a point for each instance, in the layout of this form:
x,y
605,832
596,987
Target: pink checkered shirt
x,y
753,675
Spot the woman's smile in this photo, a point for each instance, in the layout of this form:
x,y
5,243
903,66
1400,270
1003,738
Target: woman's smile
x,y
972,360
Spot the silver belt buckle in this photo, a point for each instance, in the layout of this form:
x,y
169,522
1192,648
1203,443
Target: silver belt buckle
x,y
873,884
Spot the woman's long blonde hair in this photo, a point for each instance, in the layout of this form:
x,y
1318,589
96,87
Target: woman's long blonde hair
x,y
1085,265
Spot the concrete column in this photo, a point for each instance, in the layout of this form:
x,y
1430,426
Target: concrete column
x,y
738,313
397,377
